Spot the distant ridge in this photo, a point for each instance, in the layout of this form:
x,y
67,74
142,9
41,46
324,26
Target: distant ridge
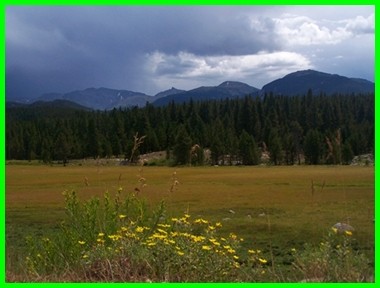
x,y
228,89
57,103
101,98
298,83
169,92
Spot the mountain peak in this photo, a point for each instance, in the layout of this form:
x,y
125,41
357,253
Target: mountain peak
x,y
228,89
307,72
232,84
168,92
299,82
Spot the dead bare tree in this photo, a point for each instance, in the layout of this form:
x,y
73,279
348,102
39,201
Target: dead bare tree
x,y
137,141
334,148
194,152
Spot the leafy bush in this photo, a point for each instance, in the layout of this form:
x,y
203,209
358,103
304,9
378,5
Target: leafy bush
x,y
335,260
122,241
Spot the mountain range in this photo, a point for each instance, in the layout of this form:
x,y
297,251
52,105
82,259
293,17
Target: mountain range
x,y
300,82
228,89
297,83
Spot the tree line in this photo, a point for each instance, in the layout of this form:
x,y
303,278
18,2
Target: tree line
x,y
311,129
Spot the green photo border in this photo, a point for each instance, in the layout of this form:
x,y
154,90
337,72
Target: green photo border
x,y
6,3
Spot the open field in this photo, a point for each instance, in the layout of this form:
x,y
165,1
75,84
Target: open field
x,y
272,208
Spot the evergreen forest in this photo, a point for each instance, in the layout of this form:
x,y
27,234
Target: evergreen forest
x,y
310,129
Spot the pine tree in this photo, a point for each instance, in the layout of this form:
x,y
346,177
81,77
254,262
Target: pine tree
x,y
347,154
94,145
275,147
217,135
62,148
313,147
248,149
182,148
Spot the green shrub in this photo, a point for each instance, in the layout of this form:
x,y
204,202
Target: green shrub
x,y
122,241
335,260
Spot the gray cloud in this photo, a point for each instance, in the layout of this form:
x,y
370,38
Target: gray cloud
x,y
60,48
178,69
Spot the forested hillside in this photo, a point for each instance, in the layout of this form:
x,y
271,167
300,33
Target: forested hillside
x,y
315,129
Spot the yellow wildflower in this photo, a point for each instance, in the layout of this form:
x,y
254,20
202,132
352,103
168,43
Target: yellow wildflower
x,y
218,224
236,257
163,225
158,236
169,241
334,229
81,242
100,234
251,251
183,220
197,238
211,228
231,251
114,237
348,233
205,247
122,216
162,231
263,261
213,241
200,221
139,229
131,235
180,253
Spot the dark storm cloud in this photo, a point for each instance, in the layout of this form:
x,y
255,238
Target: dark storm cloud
x,y
60,48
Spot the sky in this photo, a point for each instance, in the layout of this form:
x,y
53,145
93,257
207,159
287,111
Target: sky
x,y
150,49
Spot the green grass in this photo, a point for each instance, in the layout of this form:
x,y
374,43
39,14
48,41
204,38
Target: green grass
x,y
274,209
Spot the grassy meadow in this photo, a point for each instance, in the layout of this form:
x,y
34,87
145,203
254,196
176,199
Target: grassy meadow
x,y
274,209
